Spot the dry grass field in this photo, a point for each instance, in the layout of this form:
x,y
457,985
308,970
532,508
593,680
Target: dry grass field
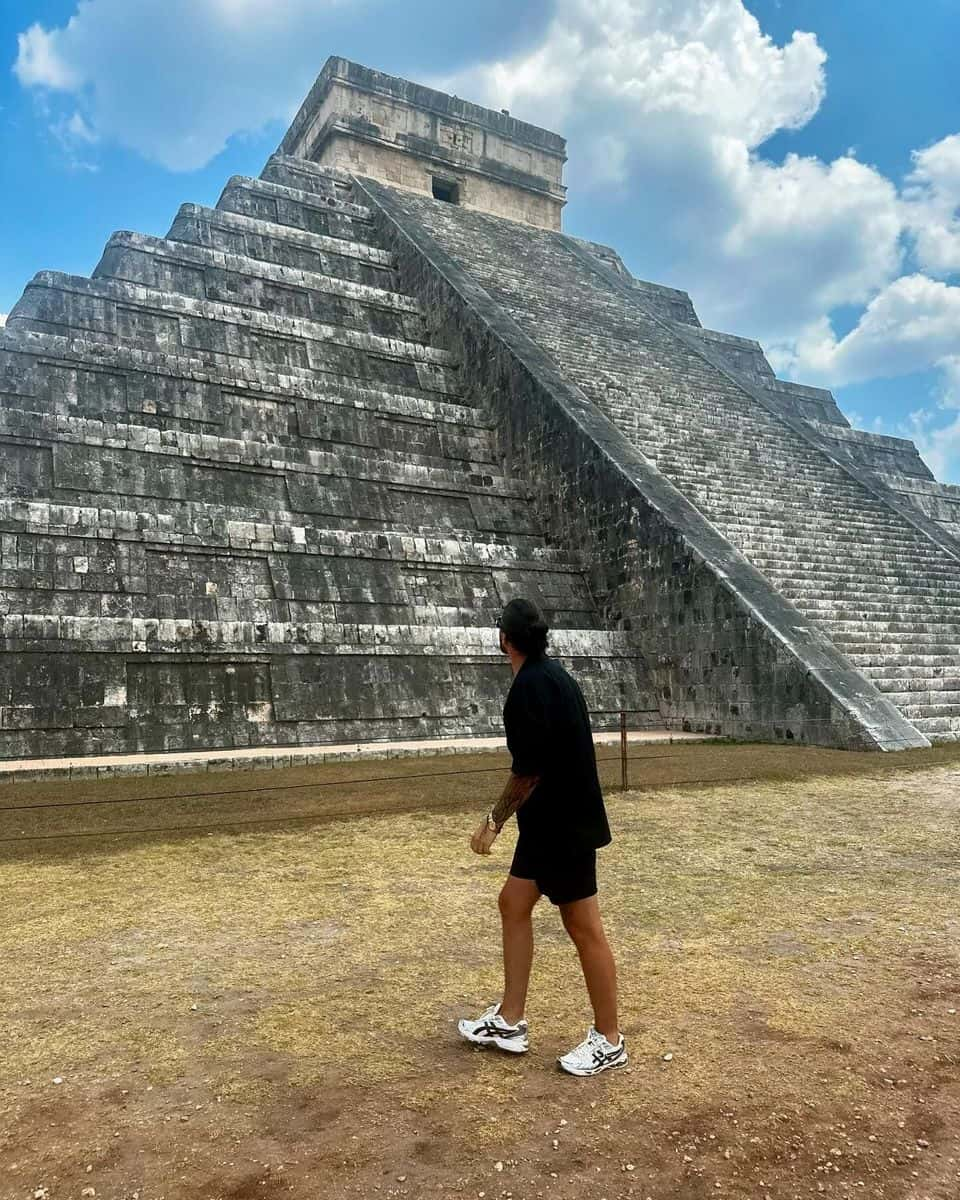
x,y
267,1008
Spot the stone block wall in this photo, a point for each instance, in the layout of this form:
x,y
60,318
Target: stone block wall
x,y
245,501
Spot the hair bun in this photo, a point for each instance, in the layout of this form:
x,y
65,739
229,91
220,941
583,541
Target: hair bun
x,y
524,627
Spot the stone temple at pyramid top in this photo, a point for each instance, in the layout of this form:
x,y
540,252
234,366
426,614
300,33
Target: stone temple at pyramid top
x,y
425,141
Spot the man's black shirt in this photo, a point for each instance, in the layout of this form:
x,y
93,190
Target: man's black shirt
x,y
548,734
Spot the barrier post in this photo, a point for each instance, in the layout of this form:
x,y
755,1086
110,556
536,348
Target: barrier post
x,y
623,750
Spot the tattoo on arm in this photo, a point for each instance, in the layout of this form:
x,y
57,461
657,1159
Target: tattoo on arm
x,y
518,790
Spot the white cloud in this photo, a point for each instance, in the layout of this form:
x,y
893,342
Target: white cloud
x,y
672,104
3,319
175,79
673,101
932,205
40,64
939,444
912,325
704,64
78,128
800,239
950,396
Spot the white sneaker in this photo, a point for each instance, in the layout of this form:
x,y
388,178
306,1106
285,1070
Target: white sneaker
x,y
594,1054
490,1029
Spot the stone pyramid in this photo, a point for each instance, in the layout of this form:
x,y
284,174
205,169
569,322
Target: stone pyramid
x,y
268,480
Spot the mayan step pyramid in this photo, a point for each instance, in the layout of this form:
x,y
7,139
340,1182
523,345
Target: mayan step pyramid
x,y
268,480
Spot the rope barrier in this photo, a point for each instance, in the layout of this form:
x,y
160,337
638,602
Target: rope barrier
x,y
623,758
290,819
46,837
291,787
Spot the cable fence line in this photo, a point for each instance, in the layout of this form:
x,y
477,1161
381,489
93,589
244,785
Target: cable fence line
x,y
399,780
290,787
321,816
463,750
316,816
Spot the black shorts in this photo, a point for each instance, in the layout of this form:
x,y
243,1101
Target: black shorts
x,y
562,877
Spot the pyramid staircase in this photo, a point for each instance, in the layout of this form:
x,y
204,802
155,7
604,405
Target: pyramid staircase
x,y
887,596
862,570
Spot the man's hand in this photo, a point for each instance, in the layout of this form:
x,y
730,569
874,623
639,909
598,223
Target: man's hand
x,y
484,838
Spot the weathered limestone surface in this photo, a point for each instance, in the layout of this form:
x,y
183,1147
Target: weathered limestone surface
x,y
864,571
410,135
247,502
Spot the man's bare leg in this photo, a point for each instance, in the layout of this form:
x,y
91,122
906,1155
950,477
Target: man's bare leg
x,y
517,900
581,919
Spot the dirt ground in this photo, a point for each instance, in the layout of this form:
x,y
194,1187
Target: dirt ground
x,y
268,1008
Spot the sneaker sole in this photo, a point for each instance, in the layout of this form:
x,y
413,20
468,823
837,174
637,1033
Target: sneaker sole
x,y
511,1046
612,1066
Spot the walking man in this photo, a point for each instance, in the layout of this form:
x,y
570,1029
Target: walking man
x,y
555,792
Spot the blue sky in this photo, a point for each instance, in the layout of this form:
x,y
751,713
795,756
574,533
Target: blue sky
x,y
795,165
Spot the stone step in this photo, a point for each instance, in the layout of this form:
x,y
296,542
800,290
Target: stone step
x,y
895,657
701,470
853,622
861,621
687,453
940,588
840,567
946,676
827,553
820,534
41,528
297,209
338,200
283,246
370,610
290,432
203,274
770,527
778,508
736,491
133,634
911,679
853,608
100,379
217,333
915,704
931,660
781,506
810,556
895,676
833,569
838,587
942,728
921,689
871,643
414,499
307,176
408,470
